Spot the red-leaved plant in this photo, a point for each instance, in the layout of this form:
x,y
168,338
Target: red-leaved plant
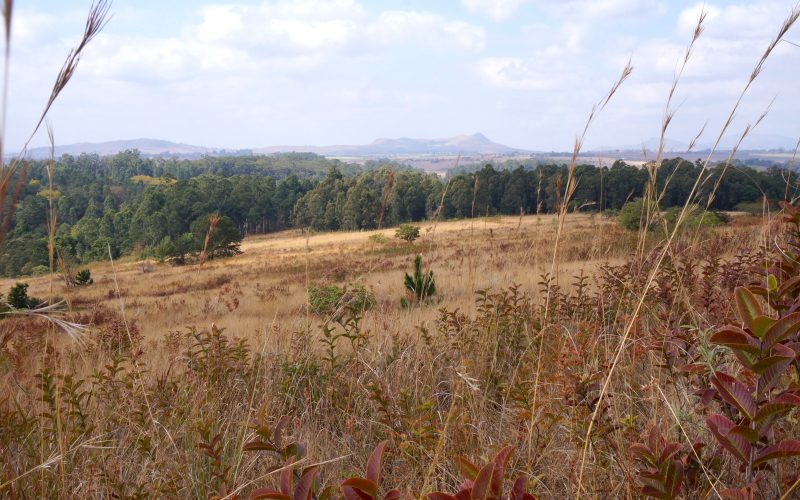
x,y
666,468
486,482
756,398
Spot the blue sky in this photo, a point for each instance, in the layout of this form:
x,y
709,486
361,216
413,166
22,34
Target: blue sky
x,y
523,72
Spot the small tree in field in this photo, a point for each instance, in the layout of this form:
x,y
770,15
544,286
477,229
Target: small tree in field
x,y
224,238
407,232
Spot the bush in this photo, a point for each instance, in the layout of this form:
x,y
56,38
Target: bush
x,y
630,217
83,278
18,297
40,270
378,238
407,232
755,207
326,300
419,287
695,218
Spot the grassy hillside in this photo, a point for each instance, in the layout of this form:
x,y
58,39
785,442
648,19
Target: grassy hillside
x,y
177,384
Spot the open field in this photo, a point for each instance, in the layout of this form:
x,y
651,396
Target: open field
x,y
269,280
162,402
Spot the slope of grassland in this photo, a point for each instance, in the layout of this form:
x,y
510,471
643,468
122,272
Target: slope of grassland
x,y
180,384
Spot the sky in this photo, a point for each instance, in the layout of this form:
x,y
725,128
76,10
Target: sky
x,y
525,73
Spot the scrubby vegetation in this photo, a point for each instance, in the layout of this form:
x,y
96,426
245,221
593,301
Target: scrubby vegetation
x,y
567,355
104,203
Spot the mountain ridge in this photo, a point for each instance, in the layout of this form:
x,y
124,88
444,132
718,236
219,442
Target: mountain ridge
x,y
476,143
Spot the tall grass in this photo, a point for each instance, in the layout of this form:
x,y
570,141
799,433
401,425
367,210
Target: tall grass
x,y
234,406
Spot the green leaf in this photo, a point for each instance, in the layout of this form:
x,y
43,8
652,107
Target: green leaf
x,y
747,305
467,469
772,282
760,325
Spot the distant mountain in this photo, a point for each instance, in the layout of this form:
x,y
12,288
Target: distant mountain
x,y
475,144
753,142
404,146
148,147
651,144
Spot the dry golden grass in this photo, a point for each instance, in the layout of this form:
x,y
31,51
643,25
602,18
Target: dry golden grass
x,y
269,278
453,377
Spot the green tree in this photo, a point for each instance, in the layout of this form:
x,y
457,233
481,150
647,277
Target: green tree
x,y
407,232
225,238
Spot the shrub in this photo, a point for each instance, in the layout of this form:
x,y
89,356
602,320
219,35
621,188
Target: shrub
x,y
755,207
326,300
379,238
407,232
40,270
18,297
420,286
630,217
695,218
83,278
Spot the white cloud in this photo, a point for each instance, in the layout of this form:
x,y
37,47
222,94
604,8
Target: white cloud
x,y
498,10
516,73
404,27
501,10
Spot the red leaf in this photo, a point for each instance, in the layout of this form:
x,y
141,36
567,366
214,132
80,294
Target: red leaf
x,y
788,285
394,494
518,490
643,453
771,368
286,477
736,339
264,494
674,479
735,393
354,494
781,329
481,490
786,448
500,463
467,469
779,404
303,489
750,434
362,484
374,462
735,444
440,496
748,306
669,450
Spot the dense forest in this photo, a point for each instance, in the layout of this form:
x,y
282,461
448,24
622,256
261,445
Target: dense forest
x,y
132,204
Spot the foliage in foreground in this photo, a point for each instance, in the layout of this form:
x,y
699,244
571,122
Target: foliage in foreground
x,y
203,414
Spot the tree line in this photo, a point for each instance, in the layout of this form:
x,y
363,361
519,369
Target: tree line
x,y
130,204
